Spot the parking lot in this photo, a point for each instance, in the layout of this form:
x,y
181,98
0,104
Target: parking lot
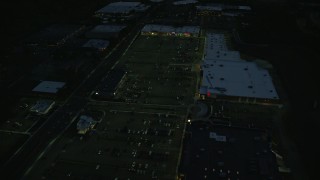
x,y
222,152
245,115
135,145
160,70
141,138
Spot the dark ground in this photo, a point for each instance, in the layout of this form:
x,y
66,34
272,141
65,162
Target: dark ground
x,y
295,55
20,19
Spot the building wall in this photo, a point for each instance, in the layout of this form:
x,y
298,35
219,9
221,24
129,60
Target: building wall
x,y
241,99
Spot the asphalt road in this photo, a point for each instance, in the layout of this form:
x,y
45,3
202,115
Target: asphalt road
x,y
62,117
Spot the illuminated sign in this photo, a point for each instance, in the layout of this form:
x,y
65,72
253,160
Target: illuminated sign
x,y
208,93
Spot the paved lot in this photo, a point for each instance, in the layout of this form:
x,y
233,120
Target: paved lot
x,y
139,145
133,145
243,154
160,70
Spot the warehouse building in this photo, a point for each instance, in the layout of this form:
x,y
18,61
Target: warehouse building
x,y
96,44
51,87
105,31
216,48
222,10
121,9
184,2
225,75
237,80
85,124
42,106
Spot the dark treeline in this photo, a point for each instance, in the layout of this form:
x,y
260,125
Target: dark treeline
x,y
294,52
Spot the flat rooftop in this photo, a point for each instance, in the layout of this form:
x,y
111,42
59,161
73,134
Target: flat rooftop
x,y
222,7
209,8
237,78
107,28
84,123
225,73
183,2
96,44
217,49
217,152
123,7
42,106
222,55
170,29
49,87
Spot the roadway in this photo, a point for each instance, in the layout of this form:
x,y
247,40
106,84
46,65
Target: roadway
x,y
55,125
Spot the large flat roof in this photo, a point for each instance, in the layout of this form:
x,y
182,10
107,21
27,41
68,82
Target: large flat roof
x,y
42,106
49,86
182,2
216,41
222,55
122,3
170,29
107,28
221,7
217,49
225,73
96,44
209,8
123,7
237,78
